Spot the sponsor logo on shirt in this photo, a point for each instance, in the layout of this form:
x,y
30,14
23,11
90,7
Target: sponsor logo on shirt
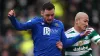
x,y
48,31
80,43
81,48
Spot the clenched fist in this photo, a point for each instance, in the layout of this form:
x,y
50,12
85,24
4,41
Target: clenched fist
x,y
11,13
59,45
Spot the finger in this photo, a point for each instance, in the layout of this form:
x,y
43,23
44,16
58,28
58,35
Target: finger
x,y
58,42
9,15
88,32
14,12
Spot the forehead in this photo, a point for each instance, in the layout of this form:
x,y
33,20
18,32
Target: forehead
x,y
49,11
84,17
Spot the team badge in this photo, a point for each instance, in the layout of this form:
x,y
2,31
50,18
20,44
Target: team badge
x,y
42,23
56,24
80,43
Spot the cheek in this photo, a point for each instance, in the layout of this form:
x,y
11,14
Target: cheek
x,y
52,17
45,17
81,25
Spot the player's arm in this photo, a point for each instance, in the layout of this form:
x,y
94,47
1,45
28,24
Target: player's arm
x,y
95,37
68,42
18,25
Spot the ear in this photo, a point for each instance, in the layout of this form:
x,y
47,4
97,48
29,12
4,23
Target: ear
x,y
42,13
76,21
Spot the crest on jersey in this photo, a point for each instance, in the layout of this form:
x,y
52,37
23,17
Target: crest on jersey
x,y
80,43
42,23
56,24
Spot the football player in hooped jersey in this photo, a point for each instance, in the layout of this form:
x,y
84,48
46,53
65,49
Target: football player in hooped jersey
x,y
82,47
46,31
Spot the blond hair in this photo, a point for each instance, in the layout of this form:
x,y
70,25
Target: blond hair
x,y
79,14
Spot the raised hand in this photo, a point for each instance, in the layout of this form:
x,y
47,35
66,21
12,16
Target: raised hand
x,y
11,13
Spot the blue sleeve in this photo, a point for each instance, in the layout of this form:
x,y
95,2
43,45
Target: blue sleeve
x,y
21,26
68,42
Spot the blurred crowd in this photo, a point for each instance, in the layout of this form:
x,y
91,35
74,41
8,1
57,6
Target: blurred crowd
x,y
19,43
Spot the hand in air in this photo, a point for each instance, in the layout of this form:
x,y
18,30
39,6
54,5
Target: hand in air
x,y
11,13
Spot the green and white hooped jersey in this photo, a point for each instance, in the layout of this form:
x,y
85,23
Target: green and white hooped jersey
x,y
82,47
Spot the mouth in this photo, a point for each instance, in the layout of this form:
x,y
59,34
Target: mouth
x,y
49,20
85,27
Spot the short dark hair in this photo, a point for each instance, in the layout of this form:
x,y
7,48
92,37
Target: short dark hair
x,y
48,6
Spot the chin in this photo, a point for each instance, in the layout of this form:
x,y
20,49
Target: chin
x,y
49,22
84,29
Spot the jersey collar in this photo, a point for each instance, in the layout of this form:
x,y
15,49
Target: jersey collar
x,y
75,30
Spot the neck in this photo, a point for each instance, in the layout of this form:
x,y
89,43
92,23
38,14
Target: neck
x,y
77,29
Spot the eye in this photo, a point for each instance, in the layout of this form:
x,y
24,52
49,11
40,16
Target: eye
x,y
52,14
86,21
47,15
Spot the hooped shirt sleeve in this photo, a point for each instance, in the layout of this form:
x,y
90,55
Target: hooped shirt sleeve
x,y
22,26
95,37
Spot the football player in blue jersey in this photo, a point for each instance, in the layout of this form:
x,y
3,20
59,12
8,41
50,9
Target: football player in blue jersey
x,y
46,31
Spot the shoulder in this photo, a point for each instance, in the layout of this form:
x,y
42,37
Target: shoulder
x,y
59,23
69,31
35,19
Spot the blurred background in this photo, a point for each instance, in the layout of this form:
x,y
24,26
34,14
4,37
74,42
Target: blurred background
x,y
19,43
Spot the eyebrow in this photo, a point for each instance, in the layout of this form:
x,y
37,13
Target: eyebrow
x,y
49,14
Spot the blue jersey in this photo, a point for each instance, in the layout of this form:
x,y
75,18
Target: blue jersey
x,y
45,35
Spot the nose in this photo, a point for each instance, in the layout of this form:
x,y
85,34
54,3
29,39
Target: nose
x,y
87,24
50,17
